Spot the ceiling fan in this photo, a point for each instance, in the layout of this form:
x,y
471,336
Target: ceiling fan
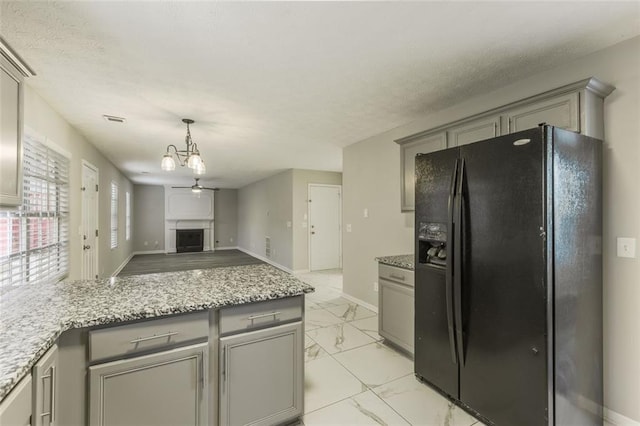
x,y
196,187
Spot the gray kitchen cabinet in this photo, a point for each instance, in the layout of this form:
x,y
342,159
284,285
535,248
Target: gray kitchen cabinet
x,y
473,131
11,126
560,111
162,388
422,143
261,376
45,379
15,408
578,107
396,306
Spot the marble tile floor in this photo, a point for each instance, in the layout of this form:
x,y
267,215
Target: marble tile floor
x,y
351,377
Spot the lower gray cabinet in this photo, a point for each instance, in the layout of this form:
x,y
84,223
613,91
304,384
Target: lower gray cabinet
x,y
396,306
163,388
261,376
15,409
45,375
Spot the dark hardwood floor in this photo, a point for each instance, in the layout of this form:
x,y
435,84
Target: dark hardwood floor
x,y
152,263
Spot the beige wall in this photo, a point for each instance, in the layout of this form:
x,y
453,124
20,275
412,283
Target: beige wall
x,y
148,218
225,222
275,207
371,178
45,121
264,208
301,180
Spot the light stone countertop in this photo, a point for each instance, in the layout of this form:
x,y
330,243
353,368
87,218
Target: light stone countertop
x,y
405,261
33,317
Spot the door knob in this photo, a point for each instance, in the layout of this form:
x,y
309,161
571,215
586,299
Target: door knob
x,y
86,247
313,232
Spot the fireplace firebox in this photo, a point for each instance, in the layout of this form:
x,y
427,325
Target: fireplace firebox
x,y
189,240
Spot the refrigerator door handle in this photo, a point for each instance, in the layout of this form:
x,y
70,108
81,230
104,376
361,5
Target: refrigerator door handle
x,y
450,261
458,266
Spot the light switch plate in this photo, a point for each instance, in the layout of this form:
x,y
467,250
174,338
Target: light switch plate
x,y
626,247
348,227
365,213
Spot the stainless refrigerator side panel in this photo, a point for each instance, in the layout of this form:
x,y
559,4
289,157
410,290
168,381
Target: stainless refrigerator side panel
x,y
577,207
432,357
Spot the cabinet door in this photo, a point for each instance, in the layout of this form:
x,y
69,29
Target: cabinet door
x,y
409,147
11,91
45,374
560,111
164,388
15,409
395,319
484,128
261,376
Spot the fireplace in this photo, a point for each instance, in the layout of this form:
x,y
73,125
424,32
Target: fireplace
x,y
188,240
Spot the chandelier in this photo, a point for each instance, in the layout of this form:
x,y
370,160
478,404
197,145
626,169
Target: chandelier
x,y
189,157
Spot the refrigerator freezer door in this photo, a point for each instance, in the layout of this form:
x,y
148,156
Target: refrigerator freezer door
x,y
504,308
434,338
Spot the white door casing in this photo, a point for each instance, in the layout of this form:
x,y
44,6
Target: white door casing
x,y
89,227
325,222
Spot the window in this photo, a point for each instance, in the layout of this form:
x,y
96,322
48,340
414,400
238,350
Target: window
x,y
114,215
127,216
34,238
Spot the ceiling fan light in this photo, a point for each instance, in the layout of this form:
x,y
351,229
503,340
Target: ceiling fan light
x,y
200,168
168,163
196,190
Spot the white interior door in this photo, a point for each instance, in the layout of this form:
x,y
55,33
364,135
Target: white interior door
x,y
89,227
325,245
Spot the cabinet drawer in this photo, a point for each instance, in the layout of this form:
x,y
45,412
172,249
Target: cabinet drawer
x,y
399,275
145,335
258,315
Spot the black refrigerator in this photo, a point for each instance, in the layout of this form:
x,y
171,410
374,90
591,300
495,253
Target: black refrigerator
x,y
508,269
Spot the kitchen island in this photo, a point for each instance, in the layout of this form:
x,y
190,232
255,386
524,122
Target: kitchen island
x,y
33,318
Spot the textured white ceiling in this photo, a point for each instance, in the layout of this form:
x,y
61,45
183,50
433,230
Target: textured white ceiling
x,y
277,85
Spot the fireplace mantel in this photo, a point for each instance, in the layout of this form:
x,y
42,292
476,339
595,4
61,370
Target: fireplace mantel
x,y
186,210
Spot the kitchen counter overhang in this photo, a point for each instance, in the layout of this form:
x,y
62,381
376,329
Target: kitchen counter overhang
x,y
33,317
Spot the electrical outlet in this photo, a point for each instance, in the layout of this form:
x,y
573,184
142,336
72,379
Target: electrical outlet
x,y
626,247
348,227
288,224
146,243
375,286
230,240
365,212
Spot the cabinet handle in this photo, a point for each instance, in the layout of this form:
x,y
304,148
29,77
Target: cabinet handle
x,y
255,317
158,336
201,374
52,387
224,365
52,394
397,277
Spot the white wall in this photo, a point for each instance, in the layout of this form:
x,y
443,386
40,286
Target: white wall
x,y
45,121
371,179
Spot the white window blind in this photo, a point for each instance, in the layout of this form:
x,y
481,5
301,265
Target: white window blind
x,y
34,238
114,215
127,216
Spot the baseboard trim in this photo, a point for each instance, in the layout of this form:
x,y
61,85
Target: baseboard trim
x,y
360,302
618,419
267,260
301,271
149,252
122,265
228,248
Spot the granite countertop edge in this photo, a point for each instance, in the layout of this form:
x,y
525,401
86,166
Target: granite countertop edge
x,y
25,338
405,261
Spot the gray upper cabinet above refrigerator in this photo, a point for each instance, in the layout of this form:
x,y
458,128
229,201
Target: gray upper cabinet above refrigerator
x,y
577,107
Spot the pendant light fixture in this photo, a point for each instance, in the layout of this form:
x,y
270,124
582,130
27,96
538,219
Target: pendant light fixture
x,y
189,157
